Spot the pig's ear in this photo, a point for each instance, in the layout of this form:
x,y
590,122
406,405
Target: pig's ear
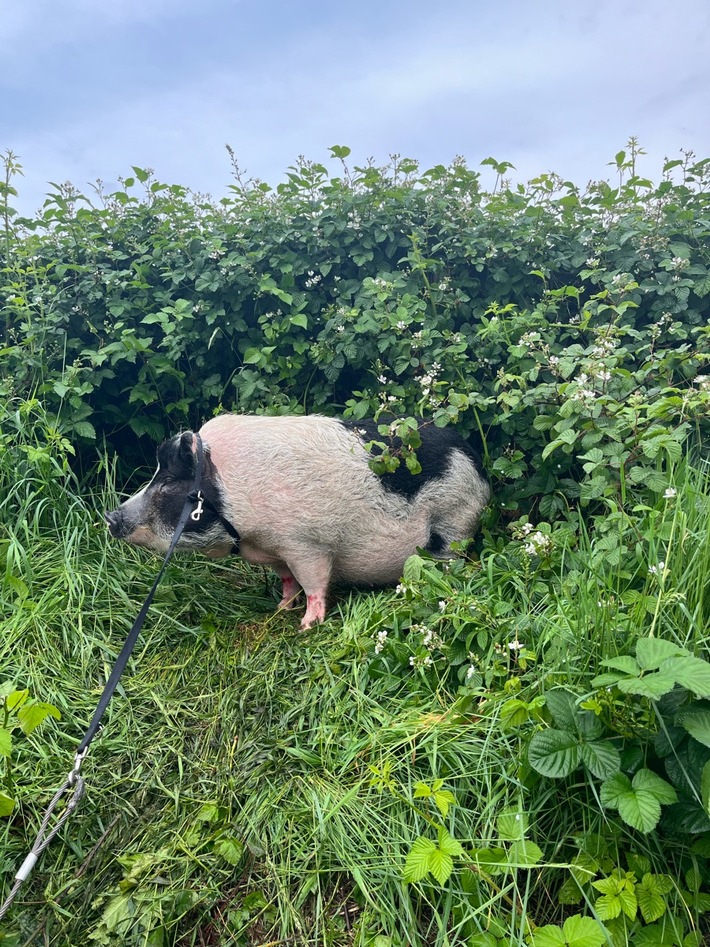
x,y
187,449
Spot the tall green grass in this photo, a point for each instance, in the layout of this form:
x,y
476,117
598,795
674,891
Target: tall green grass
x,y
233,794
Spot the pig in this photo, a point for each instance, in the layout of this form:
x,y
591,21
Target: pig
x,y
296,493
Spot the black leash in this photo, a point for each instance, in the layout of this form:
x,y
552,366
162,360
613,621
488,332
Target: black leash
x,y
75,781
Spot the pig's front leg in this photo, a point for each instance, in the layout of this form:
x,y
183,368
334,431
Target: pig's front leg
x,y
313,575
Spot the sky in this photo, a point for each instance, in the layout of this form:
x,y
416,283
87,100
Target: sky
x,y
89,88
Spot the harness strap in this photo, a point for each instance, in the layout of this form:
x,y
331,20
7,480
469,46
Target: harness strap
x,y
200,498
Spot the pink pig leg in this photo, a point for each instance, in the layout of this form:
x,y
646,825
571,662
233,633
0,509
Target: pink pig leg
x,y
313,575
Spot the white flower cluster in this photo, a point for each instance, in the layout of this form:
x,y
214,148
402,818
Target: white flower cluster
x,y
401,325
380,640
421,661
538,543
313,279
678,263
592,263
430,639
703,382
444,285
604,347
583,394
530,340
669,493
381,283
428,380
657,570
621,279
216,254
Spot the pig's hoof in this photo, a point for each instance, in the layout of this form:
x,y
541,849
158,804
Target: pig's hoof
x,y
315,611
288,603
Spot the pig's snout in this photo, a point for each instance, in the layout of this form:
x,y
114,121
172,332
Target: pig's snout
x,y
115,522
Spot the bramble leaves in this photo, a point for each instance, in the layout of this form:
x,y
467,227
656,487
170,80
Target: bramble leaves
x,y
575,932
639,800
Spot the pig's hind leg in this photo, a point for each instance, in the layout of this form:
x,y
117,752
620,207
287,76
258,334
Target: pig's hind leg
x,y
312,573
291,590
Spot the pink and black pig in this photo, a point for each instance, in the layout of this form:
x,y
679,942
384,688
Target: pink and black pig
x,y
299,496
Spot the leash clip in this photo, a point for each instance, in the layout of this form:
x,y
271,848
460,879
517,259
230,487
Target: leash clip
x,y
197,512
78,760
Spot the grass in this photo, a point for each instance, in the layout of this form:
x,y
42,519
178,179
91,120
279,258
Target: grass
x,y
255,785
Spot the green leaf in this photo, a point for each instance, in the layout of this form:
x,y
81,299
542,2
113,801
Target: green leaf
x,y
5,742
653,685
705,788
549,936
421,791
697,723
523,853
624,663
648,781
440,865
693,674
601,758
7,804
483,939
613,789
443,798
650,900
31,716
629,904
417,865
449,845
641,810
16,699
512,825
608,907
300,319
562,704
652,652
583,932
231,849
638,802
554,753
85,429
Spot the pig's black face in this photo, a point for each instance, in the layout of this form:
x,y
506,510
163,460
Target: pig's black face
x,y
150,516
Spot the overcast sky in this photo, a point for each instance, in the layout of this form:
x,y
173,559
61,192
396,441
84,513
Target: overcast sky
x,y
90,87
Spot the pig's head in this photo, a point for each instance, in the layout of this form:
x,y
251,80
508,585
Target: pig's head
x,y
150,516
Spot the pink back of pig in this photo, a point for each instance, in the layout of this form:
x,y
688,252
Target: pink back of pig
x,y
305,501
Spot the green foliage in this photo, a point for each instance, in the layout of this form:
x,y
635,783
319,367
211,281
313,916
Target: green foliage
x,y
18,712
565,329
575,932
457,762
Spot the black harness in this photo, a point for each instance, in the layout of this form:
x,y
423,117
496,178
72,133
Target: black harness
x,y
197,496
